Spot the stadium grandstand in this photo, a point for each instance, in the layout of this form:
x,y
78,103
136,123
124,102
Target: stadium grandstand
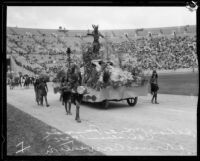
x,y
37,50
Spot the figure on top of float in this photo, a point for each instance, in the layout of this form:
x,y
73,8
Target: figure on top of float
x,y
96,34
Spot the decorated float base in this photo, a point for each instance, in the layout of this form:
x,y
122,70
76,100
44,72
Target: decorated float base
x,y
112,94
116,94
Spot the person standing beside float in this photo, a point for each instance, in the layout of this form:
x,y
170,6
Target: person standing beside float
x,y
154,86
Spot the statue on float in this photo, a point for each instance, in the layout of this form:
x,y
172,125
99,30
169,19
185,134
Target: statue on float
x,y
96,45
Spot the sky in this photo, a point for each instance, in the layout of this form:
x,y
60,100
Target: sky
x,y
81,18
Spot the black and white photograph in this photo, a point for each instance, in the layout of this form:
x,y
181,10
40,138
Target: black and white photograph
x,y
101,80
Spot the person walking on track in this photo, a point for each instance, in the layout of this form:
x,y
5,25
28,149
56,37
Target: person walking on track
x,y
61,89
36,89
22,81
42,91
75,80
66,95
154,86
27,81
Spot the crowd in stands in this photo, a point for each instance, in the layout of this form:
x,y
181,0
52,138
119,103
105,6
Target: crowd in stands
x,y
27,67
163,52
29,44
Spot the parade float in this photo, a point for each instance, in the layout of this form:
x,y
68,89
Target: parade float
x,y
104,80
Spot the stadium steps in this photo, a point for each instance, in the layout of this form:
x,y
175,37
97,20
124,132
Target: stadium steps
x,y
16,69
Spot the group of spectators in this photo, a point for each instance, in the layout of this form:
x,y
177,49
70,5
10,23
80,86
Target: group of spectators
x,y
161,52
24,81
27,67
31,43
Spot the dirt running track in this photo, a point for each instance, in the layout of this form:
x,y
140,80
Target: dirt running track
x,y
168,128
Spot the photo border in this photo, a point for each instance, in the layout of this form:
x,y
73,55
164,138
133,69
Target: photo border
x,y
8,3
